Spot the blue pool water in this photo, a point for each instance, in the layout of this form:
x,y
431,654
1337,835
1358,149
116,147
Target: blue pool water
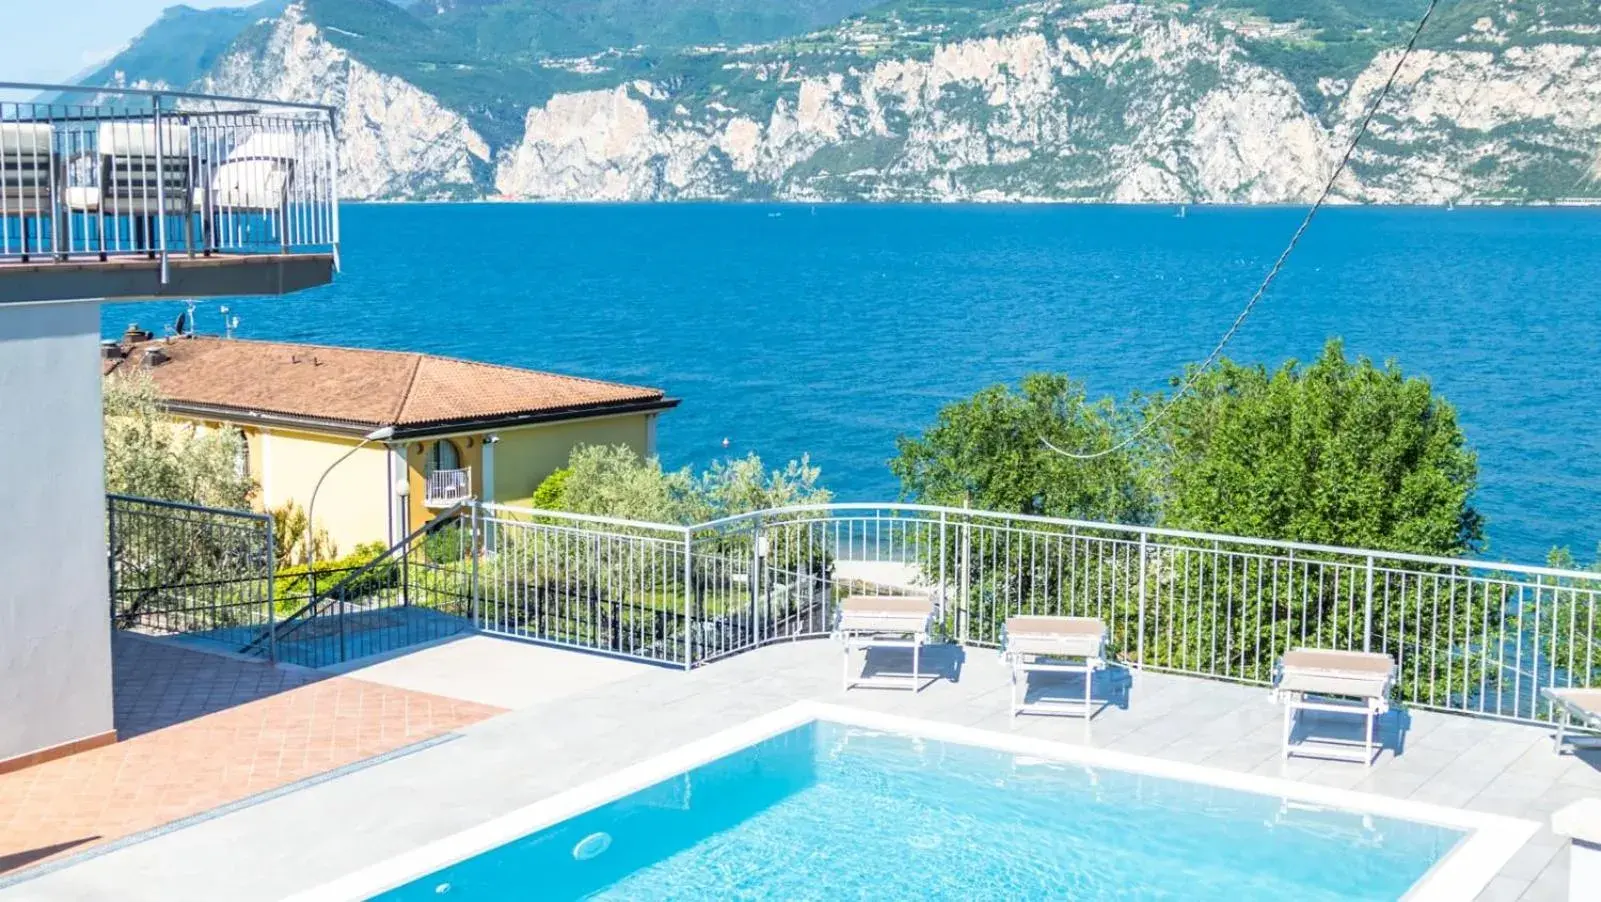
x,y
833,333
834,812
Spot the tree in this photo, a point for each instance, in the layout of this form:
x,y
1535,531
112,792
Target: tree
x,y
150,455
613,481
1335,453
1339,452
740,486
289,526
990,452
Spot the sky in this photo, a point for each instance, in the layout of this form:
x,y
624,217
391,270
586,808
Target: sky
x,y
42,42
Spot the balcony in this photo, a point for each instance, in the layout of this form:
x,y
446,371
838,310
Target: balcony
x,y
138,194
448,488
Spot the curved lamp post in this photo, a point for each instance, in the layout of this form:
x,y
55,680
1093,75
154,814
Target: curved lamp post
x,y
377,435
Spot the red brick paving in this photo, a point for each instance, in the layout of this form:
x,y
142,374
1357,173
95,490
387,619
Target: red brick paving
x,y
164,774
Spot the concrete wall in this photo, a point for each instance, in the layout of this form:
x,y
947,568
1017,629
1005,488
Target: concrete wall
x,y
524,457
353,504
55,618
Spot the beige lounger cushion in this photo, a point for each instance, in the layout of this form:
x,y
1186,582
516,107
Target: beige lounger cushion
x,y
1073,637
1582,702
885,613
1354,674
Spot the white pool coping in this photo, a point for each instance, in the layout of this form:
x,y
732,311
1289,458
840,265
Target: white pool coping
x,y
1491,842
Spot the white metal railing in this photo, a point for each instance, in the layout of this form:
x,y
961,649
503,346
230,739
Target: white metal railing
x,y
1470,637
92,174
446,488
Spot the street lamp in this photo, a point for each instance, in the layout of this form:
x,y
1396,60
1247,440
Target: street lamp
x,y
377,435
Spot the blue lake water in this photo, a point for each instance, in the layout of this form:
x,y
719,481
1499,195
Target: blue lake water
x,y
789,330
834,812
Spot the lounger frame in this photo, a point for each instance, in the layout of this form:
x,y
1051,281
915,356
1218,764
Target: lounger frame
x,y
863,630
1362,695
1573,715
1028,652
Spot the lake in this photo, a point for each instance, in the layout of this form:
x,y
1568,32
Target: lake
x,y
831,330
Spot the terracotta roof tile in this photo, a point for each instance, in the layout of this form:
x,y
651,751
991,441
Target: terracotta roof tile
x,y
364,387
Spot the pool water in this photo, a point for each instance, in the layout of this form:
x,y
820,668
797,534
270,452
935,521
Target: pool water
x,y
827,811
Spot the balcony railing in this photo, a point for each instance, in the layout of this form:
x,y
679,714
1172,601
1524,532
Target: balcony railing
x,y
447,488
96,176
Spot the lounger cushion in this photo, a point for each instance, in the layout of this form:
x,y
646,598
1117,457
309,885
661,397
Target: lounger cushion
x,y
138,139
886,614
1341,662
1073,637
1352,674
915,605
25,139
1585,703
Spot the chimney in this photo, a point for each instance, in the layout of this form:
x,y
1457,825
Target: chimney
x,y
134,335
154,357
110,350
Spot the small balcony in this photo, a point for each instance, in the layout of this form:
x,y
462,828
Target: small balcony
x,y
447,488
139,194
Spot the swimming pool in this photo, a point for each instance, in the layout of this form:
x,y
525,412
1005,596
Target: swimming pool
x,y
817,802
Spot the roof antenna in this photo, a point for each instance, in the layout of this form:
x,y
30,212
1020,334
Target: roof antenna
x,y
229,323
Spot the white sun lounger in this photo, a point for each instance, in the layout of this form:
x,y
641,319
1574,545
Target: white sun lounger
x,y
1053,645
1580,708
885,621
1337,682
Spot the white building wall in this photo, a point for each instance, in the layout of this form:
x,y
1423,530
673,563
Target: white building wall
x,y
55,620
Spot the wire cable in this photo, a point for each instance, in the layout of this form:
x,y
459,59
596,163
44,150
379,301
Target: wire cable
x,y
1195,374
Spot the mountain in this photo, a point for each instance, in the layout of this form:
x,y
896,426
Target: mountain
x,y
180,47
1225,101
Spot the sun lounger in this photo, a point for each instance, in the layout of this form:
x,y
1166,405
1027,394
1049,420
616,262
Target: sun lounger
x,y
1580,708
885,621
1053,645
1335,682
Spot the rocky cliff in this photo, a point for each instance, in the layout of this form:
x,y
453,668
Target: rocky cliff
x,y
1118,104
396,141
962,100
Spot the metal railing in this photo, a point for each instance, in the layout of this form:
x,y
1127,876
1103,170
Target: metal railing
x,y
129,173
179,569
1470,637
446,488
420,589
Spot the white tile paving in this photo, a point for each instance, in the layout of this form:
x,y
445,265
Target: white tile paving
x,y
579,717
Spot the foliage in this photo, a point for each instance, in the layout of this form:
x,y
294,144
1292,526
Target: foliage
x,y
525,30
990,452
1566,616
151,456
289,526
613,481
1339,453
292,584
552,492
733,487
445,544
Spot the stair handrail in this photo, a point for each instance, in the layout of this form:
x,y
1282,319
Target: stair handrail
x,y
310,610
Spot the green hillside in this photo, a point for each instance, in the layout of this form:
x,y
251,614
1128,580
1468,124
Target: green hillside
x,y
182,44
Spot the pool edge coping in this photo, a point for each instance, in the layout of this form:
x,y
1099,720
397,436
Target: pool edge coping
x,y
1463,873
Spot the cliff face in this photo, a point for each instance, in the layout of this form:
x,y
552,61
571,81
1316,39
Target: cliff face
x,y
1118,105
396,141
1047,100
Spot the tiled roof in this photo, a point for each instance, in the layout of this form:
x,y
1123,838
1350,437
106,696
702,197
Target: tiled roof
x,y
363,387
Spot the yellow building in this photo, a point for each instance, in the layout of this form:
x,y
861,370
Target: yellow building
x,y
461,429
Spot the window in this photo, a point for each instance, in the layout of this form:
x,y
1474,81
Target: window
x,y
443,456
